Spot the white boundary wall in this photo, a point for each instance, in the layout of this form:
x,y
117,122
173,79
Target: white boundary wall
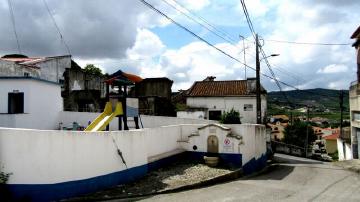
x,y
67,118
45,157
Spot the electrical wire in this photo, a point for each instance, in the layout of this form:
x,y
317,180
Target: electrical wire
x,y
202,25
57,27
224,33
14,25
194,34
308,43
211,45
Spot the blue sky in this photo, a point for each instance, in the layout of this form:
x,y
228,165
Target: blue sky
x,y
128,35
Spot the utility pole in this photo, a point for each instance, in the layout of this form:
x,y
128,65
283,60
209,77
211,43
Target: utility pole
x,y
341,97
341,112
307,132
258,96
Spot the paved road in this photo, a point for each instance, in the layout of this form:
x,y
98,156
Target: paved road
x,y
293,179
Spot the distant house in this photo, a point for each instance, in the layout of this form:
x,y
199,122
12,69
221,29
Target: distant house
x,y
277,130
331,142
319,120
282,118
213,98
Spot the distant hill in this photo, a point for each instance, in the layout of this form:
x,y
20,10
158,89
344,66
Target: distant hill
x,y
321,100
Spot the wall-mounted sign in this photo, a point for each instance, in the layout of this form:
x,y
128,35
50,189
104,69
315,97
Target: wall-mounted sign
x,y
228,145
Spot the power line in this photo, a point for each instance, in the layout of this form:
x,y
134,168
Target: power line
x,y
202,25
308,43
192,33
208,43
14,25
57,27
224,33
248,20
251,27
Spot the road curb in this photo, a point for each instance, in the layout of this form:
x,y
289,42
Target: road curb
x,y
236,174
352,168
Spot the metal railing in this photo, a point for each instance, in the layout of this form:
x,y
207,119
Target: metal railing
x,y
353,83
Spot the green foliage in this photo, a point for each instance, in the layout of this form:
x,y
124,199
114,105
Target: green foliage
x,y
180,107
231,117
335,156
320,99
4,177
295,134
92,69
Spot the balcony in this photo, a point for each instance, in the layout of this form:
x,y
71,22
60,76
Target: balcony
x,y
354,89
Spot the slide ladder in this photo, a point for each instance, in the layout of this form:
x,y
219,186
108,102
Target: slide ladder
x,y
105,118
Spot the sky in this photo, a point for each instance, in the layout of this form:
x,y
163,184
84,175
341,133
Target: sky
x,y
129,36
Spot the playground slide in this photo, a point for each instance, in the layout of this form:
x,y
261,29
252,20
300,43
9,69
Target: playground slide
x,y
105,118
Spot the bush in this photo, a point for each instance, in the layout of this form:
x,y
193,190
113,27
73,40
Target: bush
x,y
295,134
4,177
231,117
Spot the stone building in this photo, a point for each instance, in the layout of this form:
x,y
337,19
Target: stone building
x,y
45,68
82,91
154,96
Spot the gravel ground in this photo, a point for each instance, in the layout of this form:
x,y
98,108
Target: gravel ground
x,y
174,176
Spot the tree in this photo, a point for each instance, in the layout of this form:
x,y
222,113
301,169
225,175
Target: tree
x,y
92,69
295,134
231,117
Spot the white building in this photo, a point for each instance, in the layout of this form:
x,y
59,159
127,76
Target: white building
x,y
28,102
216,97
354,100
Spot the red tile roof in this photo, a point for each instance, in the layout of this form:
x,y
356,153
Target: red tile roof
x,y
220,88
332,137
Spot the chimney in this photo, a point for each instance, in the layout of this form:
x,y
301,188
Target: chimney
x,y
210,78
251,85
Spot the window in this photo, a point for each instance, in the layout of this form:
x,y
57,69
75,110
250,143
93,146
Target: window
x,y
15,103
356,116
248,107
215,115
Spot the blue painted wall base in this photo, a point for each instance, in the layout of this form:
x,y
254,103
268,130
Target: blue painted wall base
x,y
254,165
51,192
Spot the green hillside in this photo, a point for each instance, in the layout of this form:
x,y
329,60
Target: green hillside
x,y
323,102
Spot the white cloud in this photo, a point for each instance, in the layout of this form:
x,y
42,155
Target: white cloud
x,y
196,5
333,68
147,45
257,8
338,85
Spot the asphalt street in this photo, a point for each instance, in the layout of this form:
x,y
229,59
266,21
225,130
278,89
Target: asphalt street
x,y
292,179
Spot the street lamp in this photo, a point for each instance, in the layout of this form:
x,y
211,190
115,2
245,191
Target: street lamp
x,y
272,55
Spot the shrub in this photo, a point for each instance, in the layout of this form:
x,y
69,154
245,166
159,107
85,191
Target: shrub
x,y
231,117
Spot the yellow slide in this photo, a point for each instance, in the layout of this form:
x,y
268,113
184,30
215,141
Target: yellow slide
x,y
105,118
